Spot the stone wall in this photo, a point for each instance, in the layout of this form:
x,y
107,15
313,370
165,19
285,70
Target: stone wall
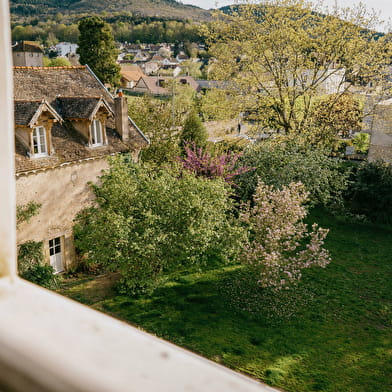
x,y
379,125
63,192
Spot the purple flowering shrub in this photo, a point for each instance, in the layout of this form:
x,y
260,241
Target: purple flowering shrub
x,y
203,164
280,245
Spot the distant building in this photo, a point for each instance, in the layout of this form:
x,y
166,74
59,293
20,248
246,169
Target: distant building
x,y
27,54
66,48
130,74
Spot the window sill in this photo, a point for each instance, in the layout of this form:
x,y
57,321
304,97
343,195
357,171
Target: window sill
x,y
50,343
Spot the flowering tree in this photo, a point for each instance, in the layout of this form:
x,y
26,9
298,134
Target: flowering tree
x,y
280,245
203,164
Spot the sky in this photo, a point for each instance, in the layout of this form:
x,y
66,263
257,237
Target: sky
x,y
382,6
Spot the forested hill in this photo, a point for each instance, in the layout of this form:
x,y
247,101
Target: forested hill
x,y
170,9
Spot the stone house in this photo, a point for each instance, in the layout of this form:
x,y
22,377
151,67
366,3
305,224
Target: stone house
x,y
27,54
66,126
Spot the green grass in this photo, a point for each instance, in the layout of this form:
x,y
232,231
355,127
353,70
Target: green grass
x,y
332,334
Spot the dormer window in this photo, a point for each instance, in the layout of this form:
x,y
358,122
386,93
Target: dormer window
x,y
40,147
96,133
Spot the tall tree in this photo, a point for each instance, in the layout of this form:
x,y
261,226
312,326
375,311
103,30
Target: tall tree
x,y
280,55
193,131
97,49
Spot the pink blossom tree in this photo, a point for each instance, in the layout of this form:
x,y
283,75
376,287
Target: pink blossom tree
x,y
280,245
203,164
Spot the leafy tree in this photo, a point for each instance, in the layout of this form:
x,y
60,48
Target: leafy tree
x,y
336,115
283,53
154,116
280,245
97,49
280,164
193,131
149,221
218,104
361,142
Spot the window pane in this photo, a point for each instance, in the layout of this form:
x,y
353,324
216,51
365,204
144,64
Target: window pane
x,y
39,140
96,132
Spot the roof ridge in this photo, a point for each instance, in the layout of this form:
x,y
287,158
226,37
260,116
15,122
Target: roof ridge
x,y
70,67
80,96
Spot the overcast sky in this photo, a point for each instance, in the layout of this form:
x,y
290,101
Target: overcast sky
x,y
383,6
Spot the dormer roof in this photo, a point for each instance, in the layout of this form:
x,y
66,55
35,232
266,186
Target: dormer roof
x,y
27,113
81,107
50,83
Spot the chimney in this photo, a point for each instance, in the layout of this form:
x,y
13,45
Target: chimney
x,y
121,113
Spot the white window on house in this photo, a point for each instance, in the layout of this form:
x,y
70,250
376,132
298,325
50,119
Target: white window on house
x,y
40,147
96,133
56,259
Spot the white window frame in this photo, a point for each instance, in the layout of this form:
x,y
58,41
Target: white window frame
x,y
96,133
42,148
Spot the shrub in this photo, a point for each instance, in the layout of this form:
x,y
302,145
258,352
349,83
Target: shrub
x,y
147,222
324,178
193,131
202,163
280,245
31,265
371,191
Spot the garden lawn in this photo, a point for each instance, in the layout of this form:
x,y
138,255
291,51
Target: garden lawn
x,y
333,334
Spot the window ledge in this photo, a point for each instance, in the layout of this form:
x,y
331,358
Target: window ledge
x,y
50,343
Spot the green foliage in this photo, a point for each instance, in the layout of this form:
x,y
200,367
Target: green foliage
x,y
155,118
279,164
193,131
150,221
31,265
217,104
25,212
97,49
282,54
56,62
371,191
335,115
332,333
361,142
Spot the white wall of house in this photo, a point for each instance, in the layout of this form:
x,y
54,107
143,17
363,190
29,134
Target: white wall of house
x,y
63,48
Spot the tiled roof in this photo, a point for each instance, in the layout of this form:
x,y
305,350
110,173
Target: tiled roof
x,y
24,111
132,75
50,83
78,107
69,146
37,83
27,46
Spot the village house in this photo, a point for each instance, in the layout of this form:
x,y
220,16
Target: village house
x,y
66,126
27,54
161,85
130,74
